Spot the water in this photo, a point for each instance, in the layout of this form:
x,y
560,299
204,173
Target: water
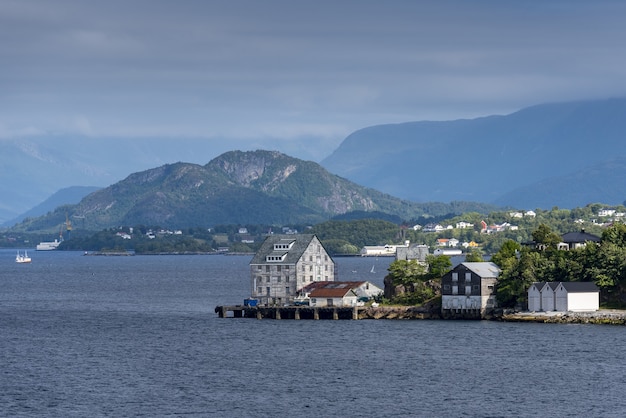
x,y
138,336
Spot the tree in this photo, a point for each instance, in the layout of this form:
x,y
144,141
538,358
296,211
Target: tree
x,y
546,237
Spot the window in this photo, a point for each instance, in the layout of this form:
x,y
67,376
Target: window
x,y
287,290
476,287
455,290
455,277
468,290
468,277
446,287
278,268
267,269
268,290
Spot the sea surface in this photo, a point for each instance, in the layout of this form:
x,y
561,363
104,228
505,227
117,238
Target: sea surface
x,y
138,336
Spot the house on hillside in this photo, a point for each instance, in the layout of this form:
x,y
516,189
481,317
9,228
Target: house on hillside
x,y
469,288
285,264
573,240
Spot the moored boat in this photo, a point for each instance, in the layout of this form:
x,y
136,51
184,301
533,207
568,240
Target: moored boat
x,y
22,258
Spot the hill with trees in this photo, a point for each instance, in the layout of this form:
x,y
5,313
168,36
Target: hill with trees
x,y
259,187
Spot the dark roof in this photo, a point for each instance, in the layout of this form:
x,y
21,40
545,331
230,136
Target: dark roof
x,y
580,287
331,285
300,244
538,285
581,236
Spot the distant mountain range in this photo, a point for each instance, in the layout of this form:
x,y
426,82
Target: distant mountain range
x,y
256,187
67,196
564,154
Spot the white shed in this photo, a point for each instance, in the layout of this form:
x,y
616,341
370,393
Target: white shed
x,y
548,298
534,296
577,296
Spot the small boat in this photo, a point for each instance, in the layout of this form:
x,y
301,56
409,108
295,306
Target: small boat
x,y
22,258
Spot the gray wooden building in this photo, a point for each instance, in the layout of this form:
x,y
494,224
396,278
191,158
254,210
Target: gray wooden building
x,y
285,264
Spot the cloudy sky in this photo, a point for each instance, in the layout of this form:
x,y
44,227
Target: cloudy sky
x,y
297,76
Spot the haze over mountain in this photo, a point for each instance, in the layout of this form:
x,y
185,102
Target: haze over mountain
x,y
260,187
561,154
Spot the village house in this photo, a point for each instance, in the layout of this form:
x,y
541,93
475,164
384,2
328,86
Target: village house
x,y
563,297
573,240
285,264
388,250
469,288
412,252
339,294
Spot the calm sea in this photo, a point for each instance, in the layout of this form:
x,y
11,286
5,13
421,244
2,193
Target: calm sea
x,y
138,336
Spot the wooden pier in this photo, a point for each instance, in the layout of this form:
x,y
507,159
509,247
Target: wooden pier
x,y
288,312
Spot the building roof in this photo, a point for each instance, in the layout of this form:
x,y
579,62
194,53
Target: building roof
x,y
332,285
580,236
335,289
580,287
330,292
483,268
300,244
551,285
538,285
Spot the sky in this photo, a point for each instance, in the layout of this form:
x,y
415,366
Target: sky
x,y
296,76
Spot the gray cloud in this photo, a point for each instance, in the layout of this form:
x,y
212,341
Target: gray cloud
x,y
255,71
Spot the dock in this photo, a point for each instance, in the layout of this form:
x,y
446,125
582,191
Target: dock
x,y
288,312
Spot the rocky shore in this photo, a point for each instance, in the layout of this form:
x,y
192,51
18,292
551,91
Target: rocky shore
x,y
609,316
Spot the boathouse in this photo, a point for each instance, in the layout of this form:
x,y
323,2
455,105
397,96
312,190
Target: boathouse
x,y
468,289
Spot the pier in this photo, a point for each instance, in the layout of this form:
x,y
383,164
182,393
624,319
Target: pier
x,y
288,312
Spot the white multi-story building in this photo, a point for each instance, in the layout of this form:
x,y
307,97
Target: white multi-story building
x,y
285,264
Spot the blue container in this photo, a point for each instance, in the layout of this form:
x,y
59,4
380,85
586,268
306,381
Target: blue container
x,y
250,302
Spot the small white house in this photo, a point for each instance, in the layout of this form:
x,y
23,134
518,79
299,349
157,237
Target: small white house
x,y
577,297
335,293
338,296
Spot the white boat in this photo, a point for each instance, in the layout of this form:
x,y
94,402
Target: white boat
x,y
48,245
22,258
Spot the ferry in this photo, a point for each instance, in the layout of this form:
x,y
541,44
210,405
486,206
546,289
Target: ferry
x,y
48,245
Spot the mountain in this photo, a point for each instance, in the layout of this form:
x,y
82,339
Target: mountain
x,y
34,168
260,187
568,149
68,195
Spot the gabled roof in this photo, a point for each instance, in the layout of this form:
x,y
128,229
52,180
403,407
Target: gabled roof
x,y
331,285
483,268
551,285
580,287
300,244
538,285
331,292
